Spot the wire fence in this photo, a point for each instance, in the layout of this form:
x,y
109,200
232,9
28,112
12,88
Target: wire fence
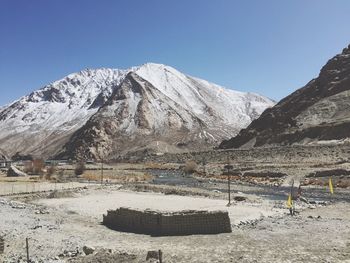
x,y
13,188
25,250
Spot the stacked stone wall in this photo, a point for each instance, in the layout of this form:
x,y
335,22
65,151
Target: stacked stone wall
x,y
167,224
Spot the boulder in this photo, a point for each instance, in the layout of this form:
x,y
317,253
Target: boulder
x,y
88,250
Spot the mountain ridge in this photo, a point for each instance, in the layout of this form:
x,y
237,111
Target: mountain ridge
x,y
41,122
317,112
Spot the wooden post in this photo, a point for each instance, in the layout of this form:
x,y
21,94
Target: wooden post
x,y
27,249
160,256
228,169
291,209
101,171
229,189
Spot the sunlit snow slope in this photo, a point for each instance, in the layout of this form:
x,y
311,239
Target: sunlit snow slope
x,y
42,122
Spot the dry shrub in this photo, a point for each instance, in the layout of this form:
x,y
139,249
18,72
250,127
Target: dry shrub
x,y
79,168
38,166
152,165
92,177
314,181
343,184
190,167
60,175
50,171
28,167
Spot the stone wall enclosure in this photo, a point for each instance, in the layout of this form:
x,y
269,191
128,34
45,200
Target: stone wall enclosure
x,y
167,224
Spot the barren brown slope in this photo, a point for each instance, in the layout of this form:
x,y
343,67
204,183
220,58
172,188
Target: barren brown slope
x,y
318,111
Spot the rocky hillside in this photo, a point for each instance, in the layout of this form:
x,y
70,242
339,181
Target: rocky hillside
x,y
158,109
100,111
3,156
45,119
317,113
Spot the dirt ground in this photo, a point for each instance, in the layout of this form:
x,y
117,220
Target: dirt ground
x,y
262,229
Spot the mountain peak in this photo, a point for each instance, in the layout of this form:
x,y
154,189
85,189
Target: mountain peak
x,y
148,100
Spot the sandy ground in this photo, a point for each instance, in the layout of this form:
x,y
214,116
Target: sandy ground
x,y
317,234
98,202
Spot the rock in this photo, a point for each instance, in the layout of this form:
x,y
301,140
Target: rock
x,y
152,255
88,250
303,199
17,205
239,198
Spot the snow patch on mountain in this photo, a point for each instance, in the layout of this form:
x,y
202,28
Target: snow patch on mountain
x,y
202,97
42,121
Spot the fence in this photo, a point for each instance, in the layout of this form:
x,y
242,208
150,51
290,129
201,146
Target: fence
x,y
31,250
24,250
12,188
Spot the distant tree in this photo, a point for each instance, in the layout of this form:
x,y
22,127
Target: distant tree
x,y
50,171
60,175
28,167
38,166
190,167
79,168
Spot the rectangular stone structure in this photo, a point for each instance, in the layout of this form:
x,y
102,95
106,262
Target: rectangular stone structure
x,y
156,223
2,245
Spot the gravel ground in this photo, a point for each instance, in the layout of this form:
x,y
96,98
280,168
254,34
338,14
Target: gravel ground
x,y
57,231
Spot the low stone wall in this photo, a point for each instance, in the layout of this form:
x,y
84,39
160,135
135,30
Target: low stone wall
x,y
167,224
2,245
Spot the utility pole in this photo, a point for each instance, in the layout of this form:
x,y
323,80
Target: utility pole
x,y
101,170
27,250
292,209
228,170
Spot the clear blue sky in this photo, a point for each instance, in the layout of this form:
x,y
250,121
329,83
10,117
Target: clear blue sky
x,y
271,47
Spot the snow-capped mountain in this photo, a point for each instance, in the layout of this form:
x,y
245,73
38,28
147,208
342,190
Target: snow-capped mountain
x,y
149,100
40,122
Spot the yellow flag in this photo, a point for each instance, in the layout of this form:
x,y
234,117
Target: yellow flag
x,y
289,201
331,186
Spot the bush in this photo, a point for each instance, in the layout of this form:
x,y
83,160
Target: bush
x,y
60,175
79,168
28,167
38,166
343,184
190,167
50,171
